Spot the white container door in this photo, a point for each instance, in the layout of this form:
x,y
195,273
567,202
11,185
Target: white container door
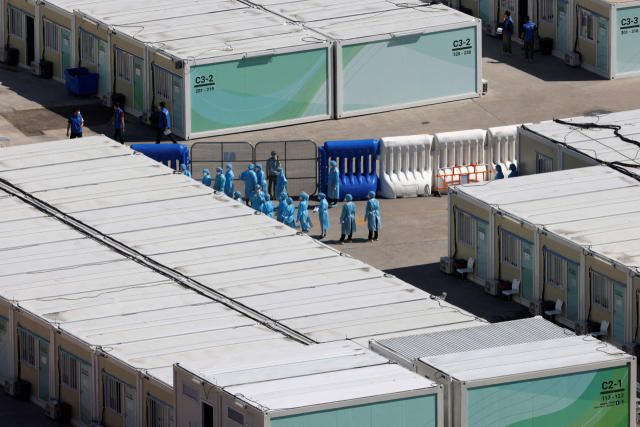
x,y
103,68
482,250
129,406
4,348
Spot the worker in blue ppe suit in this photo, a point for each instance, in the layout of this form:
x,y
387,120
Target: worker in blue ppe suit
x,y
514,171
206,179
184,170
250,182
289,215
303,213
323,216
348,219
372,216
228,180
281,183
262,182
218,185
281,206
499,175
237,196
257,198
267,206
333,185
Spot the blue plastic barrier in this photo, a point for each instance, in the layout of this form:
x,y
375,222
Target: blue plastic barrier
x,y
357,164
80,81
171,155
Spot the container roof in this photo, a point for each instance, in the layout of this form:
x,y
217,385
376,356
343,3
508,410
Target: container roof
x,y
598,143
107,300
174,221
595,207
197,29
406,349
353,19
307,376
546,356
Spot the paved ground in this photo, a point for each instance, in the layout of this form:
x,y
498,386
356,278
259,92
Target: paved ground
x,y
413,235
518,93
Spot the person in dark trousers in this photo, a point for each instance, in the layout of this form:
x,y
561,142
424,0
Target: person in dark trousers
x,y
272,173
118,122
164,125
507,32
75,124
529,36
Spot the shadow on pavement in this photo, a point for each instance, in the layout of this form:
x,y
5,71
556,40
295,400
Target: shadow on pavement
x,y
467,295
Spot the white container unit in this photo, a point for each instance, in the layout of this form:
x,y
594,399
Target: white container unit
x,y
460,158
393,55
502,141
405,166
329,385
575,381
407,350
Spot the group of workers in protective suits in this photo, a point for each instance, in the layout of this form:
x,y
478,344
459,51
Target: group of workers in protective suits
x,y
256,198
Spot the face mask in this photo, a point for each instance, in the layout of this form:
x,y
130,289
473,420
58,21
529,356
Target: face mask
x,y
218,173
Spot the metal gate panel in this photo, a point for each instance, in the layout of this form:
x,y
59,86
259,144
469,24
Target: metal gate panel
x,y
210,155
298,159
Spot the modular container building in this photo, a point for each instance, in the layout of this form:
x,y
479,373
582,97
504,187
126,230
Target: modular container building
x,y
603,33
124,268
563,382
390,56
578,142
568,236
220,66
325,385
407,351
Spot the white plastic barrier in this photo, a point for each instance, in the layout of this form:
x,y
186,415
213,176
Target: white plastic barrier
x,y
405,166
458,153
503,144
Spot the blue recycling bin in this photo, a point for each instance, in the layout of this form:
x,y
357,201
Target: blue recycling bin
x,y
80,81
171,155
357,164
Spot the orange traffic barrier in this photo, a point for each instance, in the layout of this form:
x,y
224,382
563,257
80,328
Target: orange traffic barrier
x,y
458,176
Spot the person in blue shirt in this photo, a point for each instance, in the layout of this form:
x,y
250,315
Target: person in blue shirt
x,y
118,122
333,185
250,182
164,125
529,36
499,174
228,181
281,183
185,172
218,185
75,124
289,215
303,213
206,179
514,171
348,219
267,206
323,216
372,216
262,182
507,32
237,196
281,206
257,199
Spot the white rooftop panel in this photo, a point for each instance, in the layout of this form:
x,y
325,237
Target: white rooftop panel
x,y
307,376
409,348
525,358
353,19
